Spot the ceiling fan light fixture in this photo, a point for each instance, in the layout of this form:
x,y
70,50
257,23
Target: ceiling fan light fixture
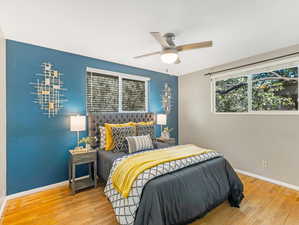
x,y
169,56
169,53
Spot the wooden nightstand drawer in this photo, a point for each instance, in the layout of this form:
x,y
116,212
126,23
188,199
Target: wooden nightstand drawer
x,y
83,158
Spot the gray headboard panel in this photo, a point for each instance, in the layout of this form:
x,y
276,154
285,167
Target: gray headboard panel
x,y
99,118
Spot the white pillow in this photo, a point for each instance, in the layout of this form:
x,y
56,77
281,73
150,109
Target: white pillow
x,y
139,143
102,137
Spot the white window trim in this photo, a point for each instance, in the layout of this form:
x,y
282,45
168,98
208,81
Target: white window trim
x,y
117,74
214,78
126,76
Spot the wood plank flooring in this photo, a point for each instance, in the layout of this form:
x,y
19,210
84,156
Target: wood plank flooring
x,y
264,204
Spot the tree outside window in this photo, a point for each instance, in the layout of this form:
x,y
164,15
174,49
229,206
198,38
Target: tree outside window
x,y
270,91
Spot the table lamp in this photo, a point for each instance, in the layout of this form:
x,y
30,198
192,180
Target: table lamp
x,y
161,120
78,123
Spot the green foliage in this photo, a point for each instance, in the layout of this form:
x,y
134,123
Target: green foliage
x,y
87,140
232,100
269,92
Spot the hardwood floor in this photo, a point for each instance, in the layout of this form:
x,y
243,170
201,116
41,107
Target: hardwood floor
x,y
264,204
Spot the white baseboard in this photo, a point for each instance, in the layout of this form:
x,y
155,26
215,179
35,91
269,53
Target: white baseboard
x,y
3,203
35,190
281,183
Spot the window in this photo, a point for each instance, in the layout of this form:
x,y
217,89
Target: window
x,y
231,95
108,91
133,95
277,90
102,93
264,92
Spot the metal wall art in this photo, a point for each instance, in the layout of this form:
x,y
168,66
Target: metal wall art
x,y
48,90
166,98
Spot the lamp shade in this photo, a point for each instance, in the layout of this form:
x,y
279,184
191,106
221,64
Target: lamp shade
x,y
169,56
78,123
161,119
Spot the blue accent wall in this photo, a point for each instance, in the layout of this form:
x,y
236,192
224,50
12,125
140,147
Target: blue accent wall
x,y
37,146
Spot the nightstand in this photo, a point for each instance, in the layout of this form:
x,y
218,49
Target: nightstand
x,y
164,143
78,158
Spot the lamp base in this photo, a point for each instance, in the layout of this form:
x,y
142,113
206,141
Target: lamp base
x,y
78,138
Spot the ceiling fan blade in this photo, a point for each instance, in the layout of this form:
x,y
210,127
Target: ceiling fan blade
x,y
177,61
160,39
145,55
187,47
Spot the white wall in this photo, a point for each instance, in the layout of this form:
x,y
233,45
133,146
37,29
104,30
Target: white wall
x,y
245,140
2,121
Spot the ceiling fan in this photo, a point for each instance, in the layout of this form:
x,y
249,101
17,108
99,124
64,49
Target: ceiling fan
x,y
169,52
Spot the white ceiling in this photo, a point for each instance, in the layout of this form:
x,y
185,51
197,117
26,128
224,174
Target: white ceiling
x,y
118,30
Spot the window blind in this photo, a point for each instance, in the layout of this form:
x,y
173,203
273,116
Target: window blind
x,y
102,93
133,95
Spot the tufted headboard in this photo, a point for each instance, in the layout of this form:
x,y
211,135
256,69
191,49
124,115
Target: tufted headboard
x,y
98,119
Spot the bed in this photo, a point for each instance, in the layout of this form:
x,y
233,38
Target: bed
x,y
178,197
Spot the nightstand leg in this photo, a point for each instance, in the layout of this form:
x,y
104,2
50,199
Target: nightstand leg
x,y
70,173
89,170
73,177
95,173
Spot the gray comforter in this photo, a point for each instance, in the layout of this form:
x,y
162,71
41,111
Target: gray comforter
x,y
184,195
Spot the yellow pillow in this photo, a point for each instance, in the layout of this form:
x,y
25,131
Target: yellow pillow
x,y
109,138
144,123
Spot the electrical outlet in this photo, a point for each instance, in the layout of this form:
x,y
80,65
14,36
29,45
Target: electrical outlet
x,y
265,163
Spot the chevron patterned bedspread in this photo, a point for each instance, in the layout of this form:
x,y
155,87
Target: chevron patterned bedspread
x,y
125,208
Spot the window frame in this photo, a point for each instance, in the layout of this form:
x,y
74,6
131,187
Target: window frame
x,y
122,76
249,74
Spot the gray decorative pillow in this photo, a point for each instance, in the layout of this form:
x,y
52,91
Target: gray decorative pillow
x,y
142,130
139,143
102,137
119,135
